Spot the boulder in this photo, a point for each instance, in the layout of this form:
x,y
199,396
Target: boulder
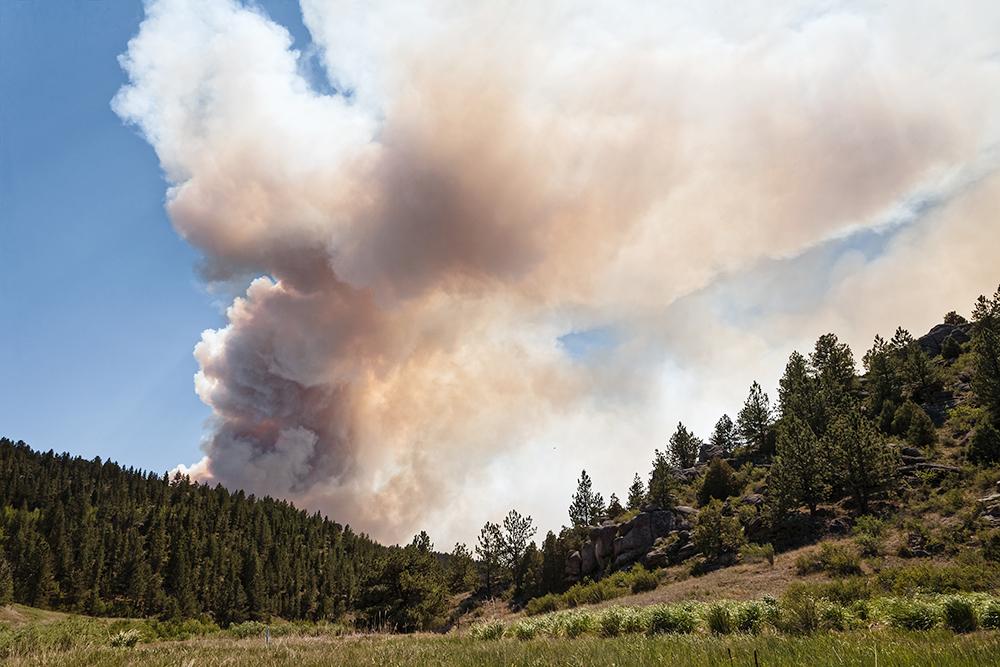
x,y
931,341
603,539
685,552
755,499
588,562
938,468
708,451
573,566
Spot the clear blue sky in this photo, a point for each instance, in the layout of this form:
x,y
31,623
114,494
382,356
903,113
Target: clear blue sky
x,y
100,301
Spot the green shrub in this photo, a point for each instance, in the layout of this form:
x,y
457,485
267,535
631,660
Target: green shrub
x,y
921,431
577,623
951,348
720,482
749,617
643,580
524,630
984,449
665,619
247,629
991,615
716,534
634,621
960,615
912,615
609,622
125,638
543,605
489,630
719,618
799,615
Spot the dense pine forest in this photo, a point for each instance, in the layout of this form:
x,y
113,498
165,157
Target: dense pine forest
x,y
897,456
95,537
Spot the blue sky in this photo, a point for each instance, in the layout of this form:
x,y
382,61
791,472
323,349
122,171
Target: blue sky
x,y
100,300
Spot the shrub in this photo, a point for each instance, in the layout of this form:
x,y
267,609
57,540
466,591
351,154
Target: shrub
x,y
246,629
719,618
960,615
715,534
869,535
991,615
720,482
756,553
489,630
921,431
609,623
750,616
643,580
125,638
799,615
912,615
543,605
524,630
951,348
577,623
984,449
836,559
634,621
665,619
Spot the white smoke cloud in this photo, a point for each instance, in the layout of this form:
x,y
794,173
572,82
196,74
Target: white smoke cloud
x,y
487,178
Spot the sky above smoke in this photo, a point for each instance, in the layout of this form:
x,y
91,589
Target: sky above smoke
x,y
492,244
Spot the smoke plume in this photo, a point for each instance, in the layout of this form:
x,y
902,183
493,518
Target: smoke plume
x,y
475,181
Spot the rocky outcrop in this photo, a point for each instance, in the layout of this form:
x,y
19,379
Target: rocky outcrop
x,y
989,508
638,540
932,341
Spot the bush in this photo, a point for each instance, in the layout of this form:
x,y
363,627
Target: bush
x,y
991,615
125,638
715,534
921,431
750,616
836,559
665,619
643,580
524,630
489,630
719,619
609,623
960,615
984,449
951,348
869,535
912,615
577,623
247,629
756,553
799,615
720,482
543,605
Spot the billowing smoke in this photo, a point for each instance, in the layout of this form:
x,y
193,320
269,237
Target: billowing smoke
x,y
480,179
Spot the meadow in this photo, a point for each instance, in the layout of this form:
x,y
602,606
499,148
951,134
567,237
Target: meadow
x,y
954,630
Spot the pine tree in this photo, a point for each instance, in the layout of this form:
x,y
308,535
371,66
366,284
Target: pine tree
x,y
716,534
553,563
489,549
636,494
799,394
754,421
800,474
615,507
951,349
684,447
885,383
984,448
724,437
986,353
461,572
586,507
865,463
833,365
517,533
661,482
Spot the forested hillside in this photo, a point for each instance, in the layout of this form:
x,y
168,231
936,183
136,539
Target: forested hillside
x,y
95,537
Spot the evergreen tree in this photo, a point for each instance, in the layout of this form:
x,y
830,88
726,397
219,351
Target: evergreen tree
x,y
954,319
661,482
684,447
885,384
461,571
984,448
754,421
6,582
636,494
920,432
553,564
865,463
716,534
833,365
986,353
517,534
719,482
615,507
490,549
919,377
724,437
951,349
586,507
800,474
799,394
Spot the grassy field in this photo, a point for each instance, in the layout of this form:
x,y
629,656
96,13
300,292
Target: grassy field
x,y
939,648
33,637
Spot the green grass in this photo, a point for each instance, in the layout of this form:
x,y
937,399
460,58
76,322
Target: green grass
x,y
939,648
